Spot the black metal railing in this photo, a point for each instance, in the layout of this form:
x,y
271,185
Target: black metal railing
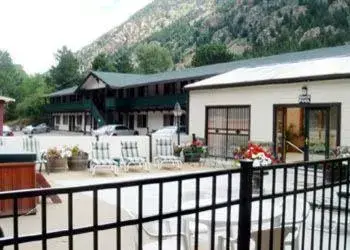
x,y
242,206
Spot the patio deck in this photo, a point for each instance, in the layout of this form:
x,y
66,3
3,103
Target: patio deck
x,y
57,213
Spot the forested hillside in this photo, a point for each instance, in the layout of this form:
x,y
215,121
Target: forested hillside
x,y
246,28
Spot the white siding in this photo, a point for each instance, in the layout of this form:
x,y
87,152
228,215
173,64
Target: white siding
x,y
65,127
263,97
93,83
154,121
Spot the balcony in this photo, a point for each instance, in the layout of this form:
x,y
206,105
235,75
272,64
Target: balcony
x,y
67,107
113,103
146,103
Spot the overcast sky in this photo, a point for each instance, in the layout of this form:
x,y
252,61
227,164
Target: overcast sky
x,y
32,30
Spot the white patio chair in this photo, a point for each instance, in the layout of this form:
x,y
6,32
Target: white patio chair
x,y
169,239
165,153
31,144
299,218
131,156
100,158
189,224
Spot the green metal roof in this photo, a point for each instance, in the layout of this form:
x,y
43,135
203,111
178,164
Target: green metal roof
x,y
120,80
117,80
67,91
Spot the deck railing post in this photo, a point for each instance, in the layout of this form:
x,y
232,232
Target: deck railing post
x,y
150,147
245,205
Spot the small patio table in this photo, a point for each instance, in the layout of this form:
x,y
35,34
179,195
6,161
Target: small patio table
x,y
221,214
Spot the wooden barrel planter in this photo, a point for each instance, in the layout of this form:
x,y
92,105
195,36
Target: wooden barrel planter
x,y
79,162
56,165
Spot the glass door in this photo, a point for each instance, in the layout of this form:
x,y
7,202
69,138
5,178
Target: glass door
x,y
317,124
280,139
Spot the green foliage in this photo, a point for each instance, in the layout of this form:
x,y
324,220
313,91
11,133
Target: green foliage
x,y
31,101
122,61
66,73
29,91
152,58
211,54
102,62
234,21
11,76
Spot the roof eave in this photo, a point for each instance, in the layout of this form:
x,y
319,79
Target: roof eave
x,y
88,75
162,81
272,81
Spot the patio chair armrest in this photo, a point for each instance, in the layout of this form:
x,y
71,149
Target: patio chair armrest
x,y
174,234
223,237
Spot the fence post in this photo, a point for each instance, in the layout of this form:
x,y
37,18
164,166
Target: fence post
x,y
1,235
245,205
150,146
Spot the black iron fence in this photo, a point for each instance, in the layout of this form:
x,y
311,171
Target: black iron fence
x,y
294,206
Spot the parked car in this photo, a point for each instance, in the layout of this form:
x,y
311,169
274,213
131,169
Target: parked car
x,y
171,131
120,129
40,128
104,130
27,129
7,131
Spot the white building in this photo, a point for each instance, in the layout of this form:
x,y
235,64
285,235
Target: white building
x,y
300,105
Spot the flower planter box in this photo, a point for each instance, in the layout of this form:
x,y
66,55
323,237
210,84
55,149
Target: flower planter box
x,y
192,157
54,165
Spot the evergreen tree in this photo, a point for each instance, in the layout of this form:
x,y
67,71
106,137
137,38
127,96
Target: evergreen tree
x,y
122,61
211,54
152,58
66,73
11,76
102,62
31,100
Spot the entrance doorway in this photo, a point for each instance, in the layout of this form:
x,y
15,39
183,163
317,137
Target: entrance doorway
x,y
71,123
306,132
131,121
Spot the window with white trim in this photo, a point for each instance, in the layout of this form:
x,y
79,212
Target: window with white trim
x,y
57,119
65,119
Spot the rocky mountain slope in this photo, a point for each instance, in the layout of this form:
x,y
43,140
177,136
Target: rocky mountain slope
x,y
154,17
249,28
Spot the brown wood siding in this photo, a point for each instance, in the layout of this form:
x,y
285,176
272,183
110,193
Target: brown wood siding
x,y
15,176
